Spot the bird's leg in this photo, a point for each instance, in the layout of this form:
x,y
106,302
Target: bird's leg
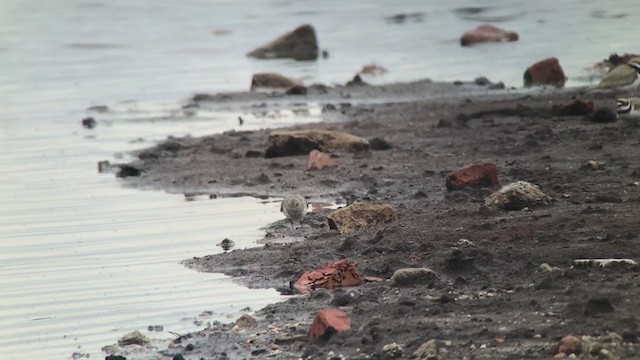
x,y
292,224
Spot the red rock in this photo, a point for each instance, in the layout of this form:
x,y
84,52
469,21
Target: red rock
x,y
474,176
487,33
318,160
569,345
578,107
328,322
340,273
545,72
517,232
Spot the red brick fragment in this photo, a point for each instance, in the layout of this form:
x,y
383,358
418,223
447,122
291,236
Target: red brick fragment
x,y
478,175
341,273
318,160
328,322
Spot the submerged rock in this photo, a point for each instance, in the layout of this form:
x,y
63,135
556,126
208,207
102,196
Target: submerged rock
x,y
373,69
487,33
299,44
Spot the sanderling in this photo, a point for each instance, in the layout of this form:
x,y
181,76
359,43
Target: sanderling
x,y
294,207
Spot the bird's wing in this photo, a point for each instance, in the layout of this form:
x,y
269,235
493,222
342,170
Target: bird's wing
x,y
619,76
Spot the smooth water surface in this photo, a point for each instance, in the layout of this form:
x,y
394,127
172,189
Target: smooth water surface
x,y
84,260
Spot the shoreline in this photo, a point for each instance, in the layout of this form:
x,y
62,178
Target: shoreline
x,y
492,299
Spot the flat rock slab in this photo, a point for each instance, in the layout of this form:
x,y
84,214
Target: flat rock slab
x,y
337,274
360,215
301,142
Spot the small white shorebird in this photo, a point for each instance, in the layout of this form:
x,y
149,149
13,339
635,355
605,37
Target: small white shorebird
x,y
294,207
628,110
624,77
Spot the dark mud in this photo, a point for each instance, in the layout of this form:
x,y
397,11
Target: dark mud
x,y
493,300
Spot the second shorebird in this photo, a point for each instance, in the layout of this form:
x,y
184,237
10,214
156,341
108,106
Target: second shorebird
x,y
624,77
294,208
628,110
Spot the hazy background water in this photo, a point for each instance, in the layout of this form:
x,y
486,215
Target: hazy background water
x,y
83,260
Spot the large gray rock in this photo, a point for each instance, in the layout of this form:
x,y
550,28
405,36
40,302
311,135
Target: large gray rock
x,y
299,44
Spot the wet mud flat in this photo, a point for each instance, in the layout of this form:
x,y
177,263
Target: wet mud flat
x,y
492,296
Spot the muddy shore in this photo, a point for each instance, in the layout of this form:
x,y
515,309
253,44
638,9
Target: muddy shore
x,y
493,300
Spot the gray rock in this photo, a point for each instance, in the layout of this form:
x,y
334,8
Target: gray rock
x,y
299,44
133,338
414,276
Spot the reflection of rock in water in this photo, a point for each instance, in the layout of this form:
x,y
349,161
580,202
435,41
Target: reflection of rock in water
x,y
226,244
488,14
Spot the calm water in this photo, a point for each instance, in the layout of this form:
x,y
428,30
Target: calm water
x,y
84,260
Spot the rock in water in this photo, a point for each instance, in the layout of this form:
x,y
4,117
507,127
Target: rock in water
x,y
545,72
299,44
487,33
